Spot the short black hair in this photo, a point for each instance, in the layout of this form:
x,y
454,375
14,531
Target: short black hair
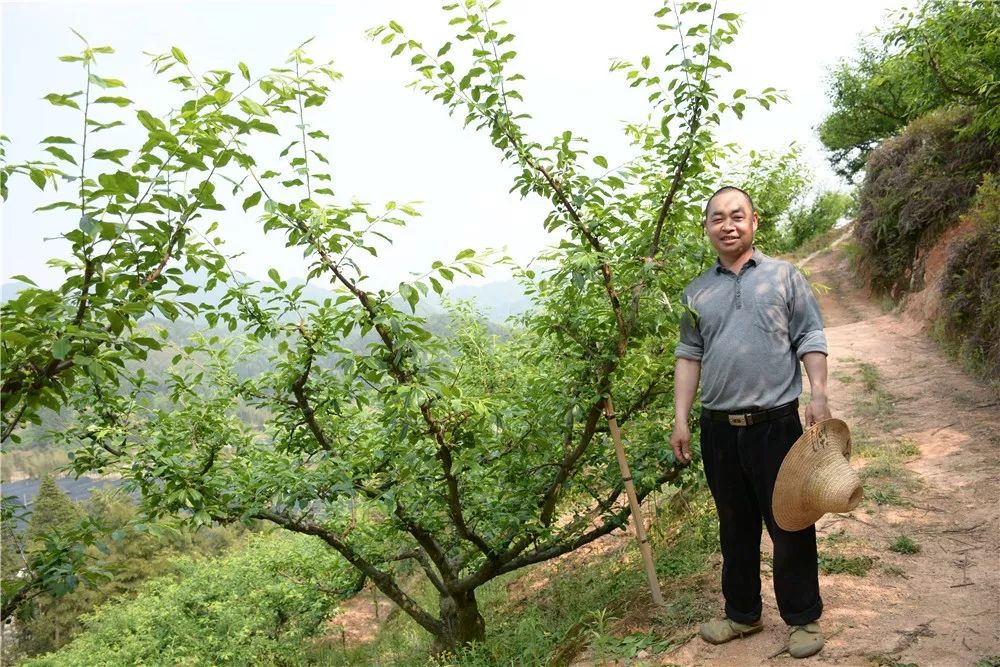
x,y
727,188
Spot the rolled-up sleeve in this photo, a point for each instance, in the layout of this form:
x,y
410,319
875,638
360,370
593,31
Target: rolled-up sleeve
x,y
805,322
691,345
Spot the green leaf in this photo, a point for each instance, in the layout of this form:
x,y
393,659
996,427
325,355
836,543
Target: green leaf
x,y
465,254
601,161
252,108
15,339
20,277
395,26
729,16
411,295
444,49
113,155
149,122
106,83
244,70
179,55
61,100
57,140
61,348
251,201
61,154
127,183
38,178
117,101
274,275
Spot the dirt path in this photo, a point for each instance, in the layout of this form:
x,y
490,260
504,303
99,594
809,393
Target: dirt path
x,y
927,440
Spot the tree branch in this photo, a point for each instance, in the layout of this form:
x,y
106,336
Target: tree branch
x,y
384,581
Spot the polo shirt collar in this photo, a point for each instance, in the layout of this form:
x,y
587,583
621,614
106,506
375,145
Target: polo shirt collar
x,y
755,259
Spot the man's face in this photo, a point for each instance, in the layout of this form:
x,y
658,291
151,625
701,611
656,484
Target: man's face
x,y
730,224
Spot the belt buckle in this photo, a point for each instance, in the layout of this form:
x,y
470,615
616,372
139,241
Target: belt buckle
x,y
737,420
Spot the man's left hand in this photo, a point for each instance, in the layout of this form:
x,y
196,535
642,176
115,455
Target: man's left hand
x,y
817,410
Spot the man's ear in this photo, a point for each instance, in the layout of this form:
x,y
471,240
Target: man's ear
x,y
756,221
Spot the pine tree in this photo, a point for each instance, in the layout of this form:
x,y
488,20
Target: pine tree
x,y
51,510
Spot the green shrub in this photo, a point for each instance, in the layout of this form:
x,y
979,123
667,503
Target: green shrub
x,y
916,186
810,221
258,606
970,307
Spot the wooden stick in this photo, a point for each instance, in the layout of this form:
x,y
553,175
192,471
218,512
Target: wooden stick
x,y
640,531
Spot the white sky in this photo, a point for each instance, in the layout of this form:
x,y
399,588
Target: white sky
x,y
390,142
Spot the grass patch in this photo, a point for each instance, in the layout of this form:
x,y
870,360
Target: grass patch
x,y
835,538
875,403
888,496
857,566
989,661
904,545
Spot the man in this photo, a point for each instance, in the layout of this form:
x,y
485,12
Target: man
x,y
750,319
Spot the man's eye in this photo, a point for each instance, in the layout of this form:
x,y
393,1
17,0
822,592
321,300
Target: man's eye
x,y
737,217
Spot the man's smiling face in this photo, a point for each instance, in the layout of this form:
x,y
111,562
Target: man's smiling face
x,y
730,224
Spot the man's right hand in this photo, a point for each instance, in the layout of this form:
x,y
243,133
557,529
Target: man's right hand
x,y
680,442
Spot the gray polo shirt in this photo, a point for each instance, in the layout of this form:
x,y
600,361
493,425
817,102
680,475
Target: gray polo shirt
x,y
749,332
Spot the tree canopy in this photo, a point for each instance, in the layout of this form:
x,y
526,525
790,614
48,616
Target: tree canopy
x,y
942,53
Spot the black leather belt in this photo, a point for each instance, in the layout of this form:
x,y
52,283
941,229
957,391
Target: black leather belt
x,y
750,418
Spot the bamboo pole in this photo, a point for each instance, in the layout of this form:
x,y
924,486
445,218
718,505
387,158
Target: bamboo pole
x,y
640,530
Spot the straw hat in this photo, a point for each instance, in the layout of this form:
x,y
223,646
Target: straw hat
x,y
815,477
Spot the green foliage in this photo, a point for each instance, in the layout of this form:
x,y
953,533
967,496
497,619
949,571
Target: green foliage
x,y
916,186
942,53
857,566
777,182
820,216
135,553
904,545
261,605
970,307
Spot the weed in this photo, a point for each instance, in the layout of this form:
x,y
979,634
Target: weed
x,y
904,545
869,377
907,449
888,496
989,661
895,571
883,467
857,566
836,537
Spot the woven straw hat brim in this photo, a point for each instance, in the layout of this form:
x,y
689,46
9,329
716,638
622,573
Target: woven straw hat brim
x,y
816,477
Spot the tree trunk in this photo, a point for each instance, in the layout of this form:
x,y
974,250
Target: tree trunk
x,y
461,622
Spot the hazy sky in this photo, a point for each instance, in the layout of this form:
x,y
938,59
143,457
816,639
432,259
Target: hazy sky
x,y
390,142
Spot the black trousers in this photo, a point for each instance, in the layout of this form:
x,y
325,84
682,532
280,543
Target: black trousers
x,y
741,465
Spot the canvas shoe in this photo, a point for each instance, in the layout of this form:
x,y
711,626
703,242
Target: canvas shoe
x,y
805,640
722,630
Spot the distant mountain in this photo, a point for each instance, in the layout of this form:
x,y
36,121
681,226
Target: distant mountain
x,y
496,301
10,290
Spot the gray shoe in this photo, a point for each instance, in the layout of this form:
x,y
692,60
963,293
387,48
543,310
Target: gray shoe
x,y
722,630
805,640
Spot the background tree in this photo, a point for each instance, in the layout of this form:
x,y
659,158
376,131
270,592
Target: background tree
x,y
942,53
